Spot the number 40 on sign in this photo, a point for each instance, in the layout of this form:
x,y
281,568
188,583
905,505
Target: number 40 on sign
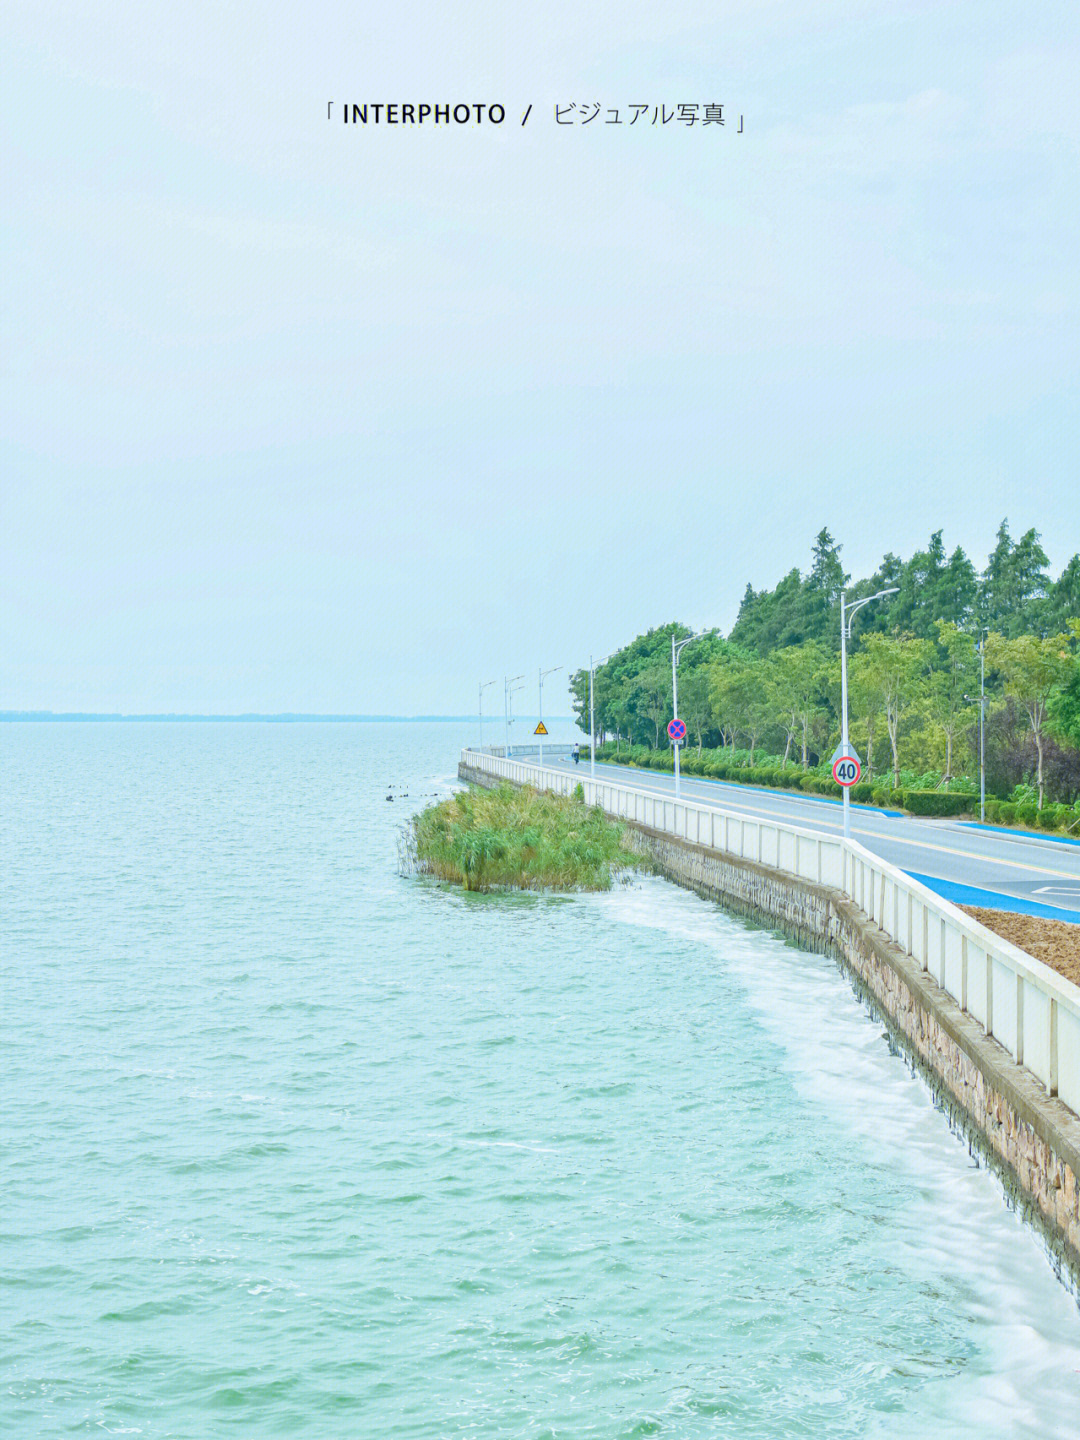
x,y
846,770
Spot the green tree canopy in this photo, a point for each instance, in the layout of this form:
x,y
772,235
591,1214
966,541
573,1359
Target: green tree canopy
x,y
1014,581
1032,667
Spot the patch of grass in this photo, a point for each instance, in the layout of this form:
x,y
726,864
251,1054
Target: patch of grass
x,y
520,839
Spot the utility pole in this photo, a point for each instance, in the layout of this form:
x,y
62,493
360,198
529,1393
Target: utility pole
x,y
676,651
480,708
508,704
541,705
592,713
847,614
982,727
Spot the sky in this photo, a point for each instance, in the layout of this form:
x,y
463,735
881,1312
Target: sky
x,y
300,416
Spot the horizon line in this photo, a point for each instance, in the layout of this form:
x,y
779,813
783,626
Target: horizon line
x,y
279,717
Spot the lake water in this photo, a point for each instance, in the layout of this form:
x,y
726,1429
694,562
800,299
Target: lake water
x,y
298,1146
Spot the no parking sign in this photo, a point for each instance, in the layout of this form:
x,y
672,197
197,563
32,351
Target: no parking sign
x,y
677,729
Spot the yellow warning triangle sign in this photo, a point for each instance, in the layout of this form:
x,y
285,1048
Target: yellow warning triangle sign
x,y
541,729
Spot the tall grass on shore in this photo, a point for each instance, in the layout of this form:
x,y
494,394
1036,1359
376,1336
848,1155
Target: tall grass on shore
x,y
519,839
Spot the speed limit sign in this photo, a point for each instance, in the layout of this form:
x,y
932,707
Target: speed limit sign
x,y
846,771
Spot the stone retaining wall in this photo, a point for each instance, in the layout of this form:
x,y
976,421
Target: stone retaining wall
x,y
1032,1141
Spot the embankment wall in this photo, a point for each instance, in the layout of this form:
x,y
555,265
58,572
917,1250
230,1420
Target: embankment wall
x,y
1029,1138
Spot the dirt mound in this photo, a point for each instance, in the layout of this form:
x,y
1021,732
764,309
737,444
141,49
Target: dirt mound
x,y
1055,942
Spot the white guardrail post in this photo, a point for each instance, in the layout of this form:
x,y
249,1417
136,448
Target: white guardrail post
x,y
1028,1008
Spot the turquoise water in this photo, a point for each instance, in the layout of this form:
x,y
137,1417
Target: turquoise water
x,y
297,1146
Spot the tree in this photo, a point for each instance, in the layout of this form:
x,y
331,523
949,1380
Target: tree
x,y
803,683
783,698
958,590
652,691
694,702
1014,581
955,672
1032,668
876,618
867,700
1065,704
622,699
797,609
823,587
1063,601
740,699
897,666
769,619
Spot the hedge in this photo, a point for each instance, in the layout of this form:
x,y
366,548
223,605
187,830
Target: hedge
x,y
719,765
935,802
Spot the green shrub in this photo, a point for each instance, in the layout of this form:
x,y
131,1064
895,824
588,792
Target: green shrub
x,y
963,785
493,839
881,796
1026,813
993,812
1052,817
1007,812
936,802
862,792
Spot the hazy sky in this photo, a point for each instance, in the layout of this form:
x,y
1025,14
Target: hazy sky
x,y
312,417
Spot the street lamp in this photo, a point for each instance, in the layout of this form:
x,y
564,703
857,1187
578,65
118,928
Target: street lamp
x,y
480,708
847,614
982,727
541,704
592,713
982,724
507,682
676,651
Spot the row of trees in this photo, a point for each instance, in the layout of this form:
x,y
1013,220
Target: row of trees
x,y
913,687
1013,595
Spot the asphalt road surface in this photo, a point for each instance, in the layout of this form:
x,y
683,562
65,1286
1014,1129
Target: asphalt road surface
x,y
969,864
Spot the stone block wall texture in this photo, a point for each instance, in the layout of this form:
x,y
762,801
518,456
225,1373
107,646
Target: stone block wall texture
x,y
1031,1140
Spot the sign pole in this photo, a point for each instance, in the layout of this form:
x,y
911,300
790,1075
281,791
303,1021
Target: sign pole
x,y
982,727
843,710
675,709
592,722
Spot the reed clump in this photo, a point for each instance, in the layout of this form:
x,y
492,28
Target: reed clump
x,y
520,839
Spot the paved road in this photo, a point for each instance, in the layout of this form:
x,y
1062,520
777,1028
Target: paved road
x,y
965,863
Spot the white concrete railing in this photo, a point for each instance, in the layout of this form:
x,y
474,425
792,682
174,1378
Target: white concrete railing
x,y
1028,1008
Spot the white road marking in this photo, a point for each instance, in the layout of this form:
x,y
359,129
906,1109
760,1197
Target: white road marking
x,y
876,835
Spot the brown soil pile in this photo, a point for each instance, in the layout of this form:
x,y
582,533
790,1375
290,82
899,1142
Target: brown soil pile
x,y
1055,942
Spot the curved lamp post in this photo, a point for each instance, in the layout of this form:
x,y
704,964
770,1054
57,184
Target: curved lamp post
x,y
541,705
480,708
676,651
592,712
508,682
847,613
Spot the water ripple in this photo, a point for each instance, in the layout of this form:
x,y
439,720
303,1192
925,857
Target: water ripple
x,y
298,1147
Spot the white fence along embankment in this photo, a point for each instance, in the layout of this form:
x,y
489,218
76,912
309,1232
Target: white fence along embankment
x,y
1028,1008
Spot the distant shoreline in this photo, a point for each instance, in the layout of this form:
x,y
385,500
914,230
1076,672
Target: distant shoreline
x,y
284,719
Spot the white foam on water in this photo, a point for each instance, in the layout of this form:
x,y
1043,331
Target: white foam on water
x,y
958,1230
